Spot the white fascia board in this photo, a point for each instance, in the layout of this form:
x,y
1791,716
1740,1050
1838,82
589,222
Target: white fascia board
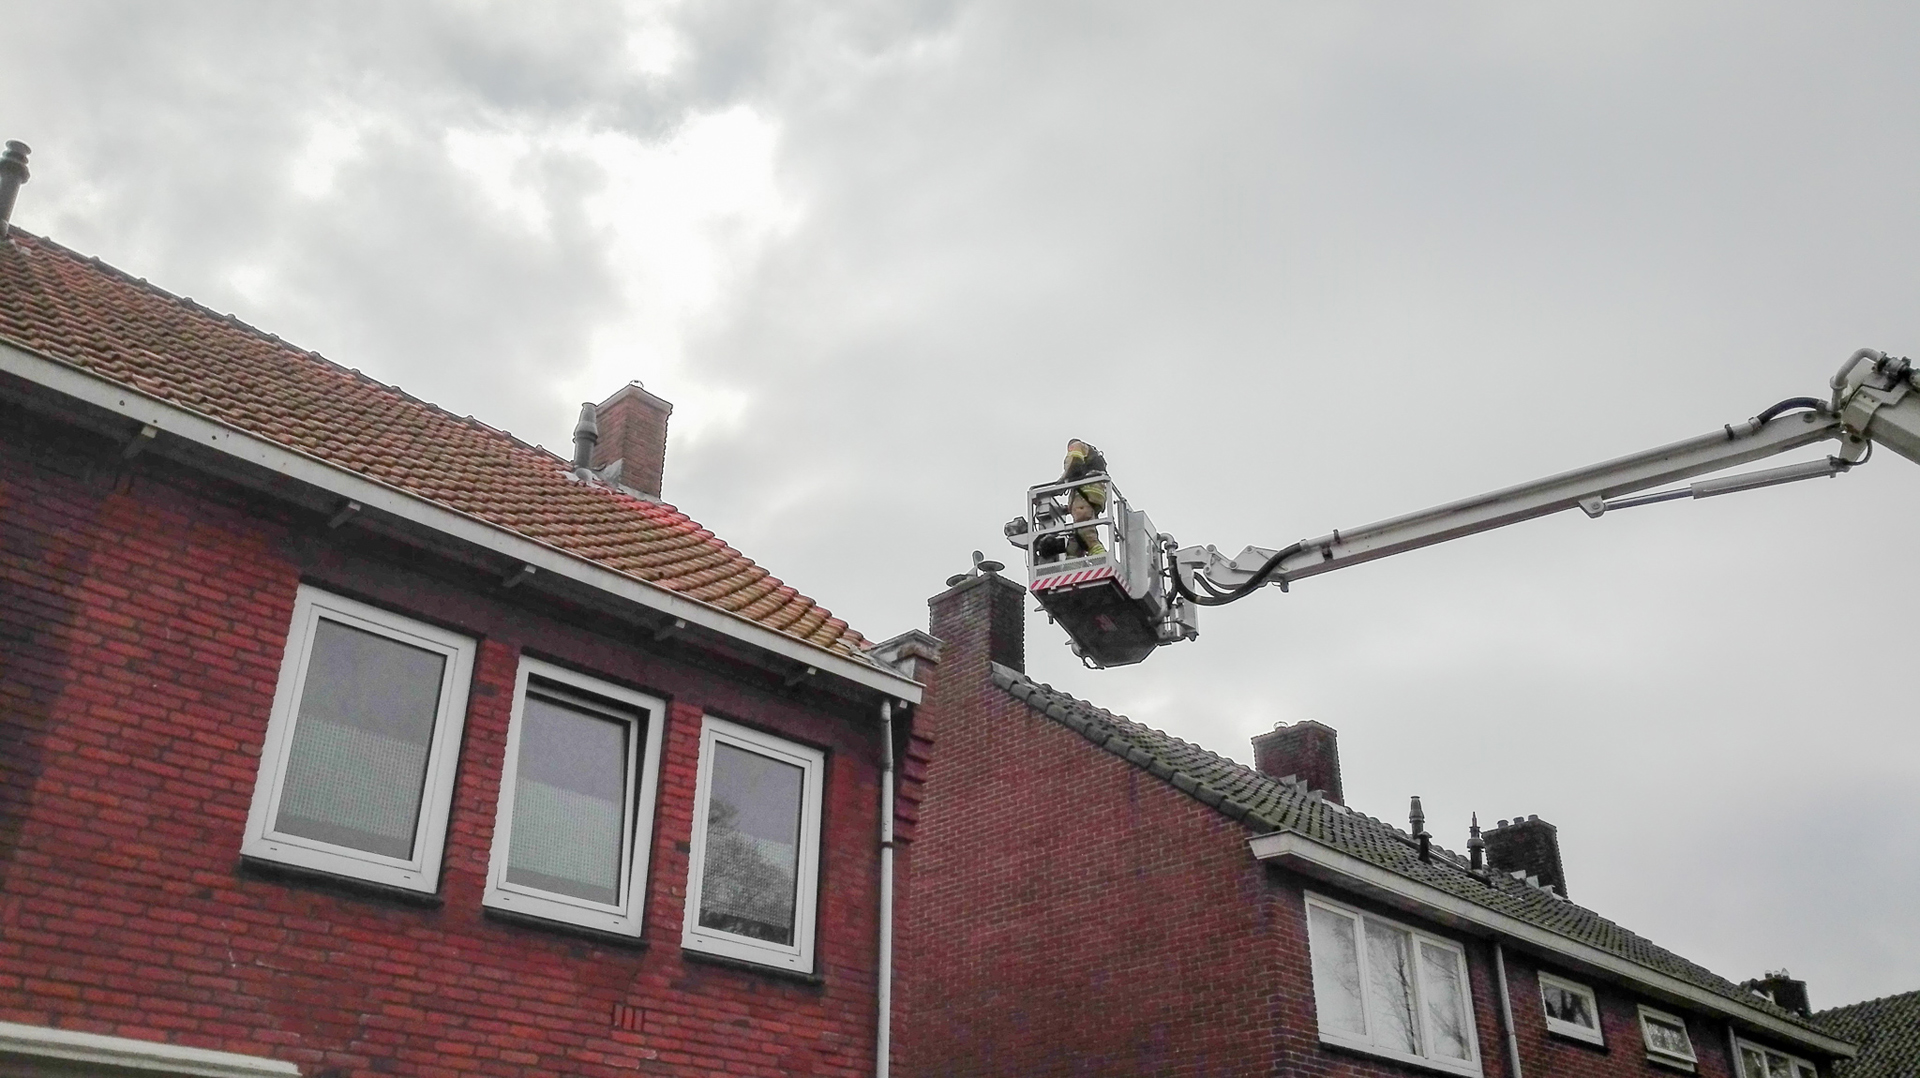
x,y
1299,853
44,1045
86,386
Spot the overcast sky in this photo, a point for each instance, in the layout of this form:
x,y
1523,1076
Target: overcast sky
x,y
1292,266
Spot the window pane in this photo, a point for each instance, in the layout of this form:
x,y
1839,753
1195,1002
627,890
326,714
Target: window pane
x,y
569,801
360,741
1753,1064
1567,1006
1390,987
1336,971
1446,1002
1779,1066
1804,1070
1664,1037
752,854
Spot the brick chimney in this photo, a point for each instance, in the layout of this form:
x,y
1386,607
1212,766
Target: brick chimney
x,y
981,618
632,450
1530,845
1782,988
1307,750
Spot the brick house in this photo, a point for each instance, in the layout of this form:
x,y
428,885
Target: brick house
x,y
1091,896
342,735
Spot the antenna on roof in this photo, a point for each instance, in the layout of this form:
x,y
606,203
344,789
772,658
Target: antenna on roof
x,y
13,173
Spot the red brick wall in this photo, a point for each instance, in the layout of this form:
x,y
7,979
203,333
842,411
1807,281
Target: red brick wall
x,y
142,617
1624,1054
1070,914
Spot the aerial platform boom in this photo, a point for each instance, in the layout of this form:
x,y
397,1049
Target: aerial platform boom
x,y
1872,403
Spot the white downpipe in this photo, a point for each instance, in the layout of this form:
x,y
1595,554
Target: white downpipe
x,y
1506,1008
883,1040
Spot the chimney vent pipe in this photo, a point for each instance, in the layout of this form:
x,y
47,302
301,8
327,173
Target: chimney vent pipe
x,y
13,173
586,435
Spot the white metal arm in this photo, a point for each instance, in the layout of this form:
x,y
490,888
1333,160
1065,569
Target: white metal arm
x,y
1872,403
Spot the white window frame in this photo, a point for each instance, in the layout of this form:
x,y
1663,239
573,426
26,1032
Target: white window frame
x,y
1741,1045
1569,1029
422,871
1688,1062
625,916
1469,1066
695,937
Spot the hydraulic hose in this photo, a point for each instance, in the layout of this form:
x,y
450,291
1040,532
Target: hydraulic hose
x,y
1789,405
1222,598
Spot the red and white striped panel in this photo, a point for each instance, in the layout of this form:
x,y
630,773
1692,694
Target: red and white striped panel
x,y
1062,580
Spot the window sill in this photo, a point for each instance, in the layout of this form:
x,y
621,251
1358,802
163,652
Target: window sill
x,y
351,886
562,928
1419,1062
794,975
1588,1041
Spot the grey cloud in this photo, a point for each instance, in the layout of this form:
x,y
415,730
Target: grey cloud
x,y
1293,267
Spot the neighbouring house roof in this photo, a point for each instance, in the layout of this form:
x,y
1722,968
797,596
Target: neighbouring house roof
x,y
1267,805
81,311
1887,1031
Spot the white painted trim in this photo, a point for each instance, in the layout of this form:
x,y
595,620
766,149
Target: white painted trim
x,y
1416,937
1690,1061
1740,1063
1302,854
626,916
421,872
812,762
1569,1029
41,1044
372,494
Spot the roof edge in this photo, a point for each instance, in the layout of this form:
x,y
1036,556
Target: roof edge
x,y
78,383
1302,854
1117,743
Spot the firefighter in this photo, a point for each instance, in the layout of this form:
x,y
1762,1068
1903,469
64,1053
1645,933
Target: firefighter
x,y
1086,502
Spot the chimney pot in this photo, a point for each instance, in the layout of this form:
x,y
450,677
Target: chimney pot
x,y
1530,846
632,450
13,173
1308,749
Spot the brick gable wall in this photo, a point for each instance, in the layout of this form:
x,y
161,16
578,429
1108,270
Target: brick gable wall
x,y
1072,914
143,612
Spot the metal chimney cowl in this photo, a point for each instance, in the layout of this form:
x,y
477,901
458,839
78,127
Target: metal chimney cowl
x,y
13,174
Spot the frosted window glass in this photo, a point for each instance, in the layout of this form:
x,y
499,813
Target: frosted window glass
x,y
1446,1002
569,801
359,755
752,856
1665,1037
1390,987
